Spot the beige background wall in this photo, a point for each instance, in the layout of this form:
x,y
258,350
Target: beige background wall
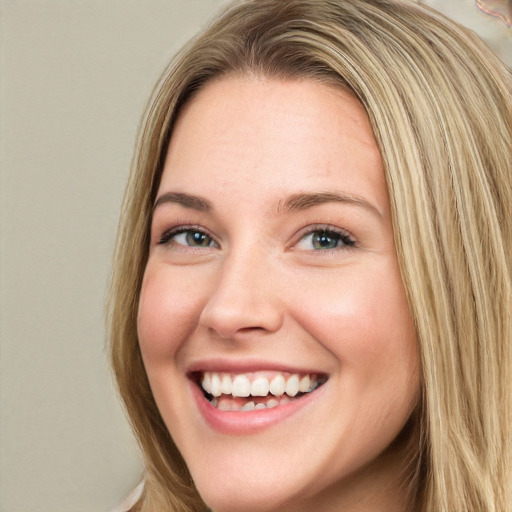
x,y
75,75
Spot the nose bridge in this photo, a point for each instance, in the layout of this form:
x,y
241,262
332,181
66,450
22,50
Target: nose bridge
x,y
243,298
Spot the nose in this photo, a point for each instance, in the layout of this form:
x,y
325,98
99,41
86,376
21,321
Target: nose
x,y
245,298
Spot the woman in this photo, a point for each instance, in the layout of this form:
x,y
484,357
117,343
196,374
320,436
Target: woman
x,y
311,300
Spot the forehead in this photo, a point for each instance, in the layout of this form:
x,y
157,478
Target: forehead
x,y
265,137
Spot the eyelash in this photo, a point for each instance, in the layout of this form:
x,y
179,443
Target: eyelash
x,y
167,236
339,236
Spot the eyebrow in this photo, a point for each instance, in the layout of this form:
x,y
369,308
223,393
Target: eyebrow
x,y
294,203
185,200
303,201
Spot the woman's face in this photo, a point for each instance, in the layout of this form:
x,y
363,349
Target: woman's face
x,y
272,321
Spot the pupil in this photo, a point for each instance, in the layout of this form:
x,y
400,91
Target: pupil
x,y
325,241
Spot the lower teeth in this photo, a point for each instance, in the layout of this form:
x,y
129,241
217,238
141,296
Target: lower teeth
x,y
235,405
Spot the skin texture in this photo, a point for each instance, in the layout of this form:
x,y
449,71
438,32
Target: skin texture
x,y
259,292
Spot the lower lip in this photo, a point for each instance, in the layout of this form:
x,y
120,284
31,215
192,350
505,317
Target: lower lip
x,y
249,422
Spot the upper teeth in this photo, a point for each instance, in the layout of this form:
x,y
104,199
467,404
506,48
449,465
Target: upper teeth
x,y
257,384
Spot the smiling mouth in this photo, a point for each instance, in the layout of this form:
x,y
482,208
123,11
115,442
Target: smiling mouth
x,y
240,392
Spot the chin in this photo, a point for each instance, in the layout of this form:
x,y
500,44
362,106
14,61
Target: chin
x,y
246,496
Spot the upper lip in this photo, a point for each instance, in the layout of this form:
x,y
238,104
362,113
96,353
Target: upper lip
x,y
223,365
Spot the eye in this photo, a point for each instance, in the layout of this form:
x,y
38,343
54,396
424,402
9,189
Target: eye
x,y
188,237
325,239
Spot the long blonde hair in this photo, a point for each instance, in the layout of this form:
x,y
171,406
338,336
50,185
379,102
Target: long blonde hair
x,y
440,104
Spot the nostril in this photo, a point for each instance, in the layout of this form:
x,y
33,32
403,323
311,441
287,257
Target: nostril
x,y
250,329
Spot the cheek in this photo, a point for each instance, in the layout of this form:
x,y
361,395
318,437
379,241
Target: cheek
x,y
364,321
167,313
